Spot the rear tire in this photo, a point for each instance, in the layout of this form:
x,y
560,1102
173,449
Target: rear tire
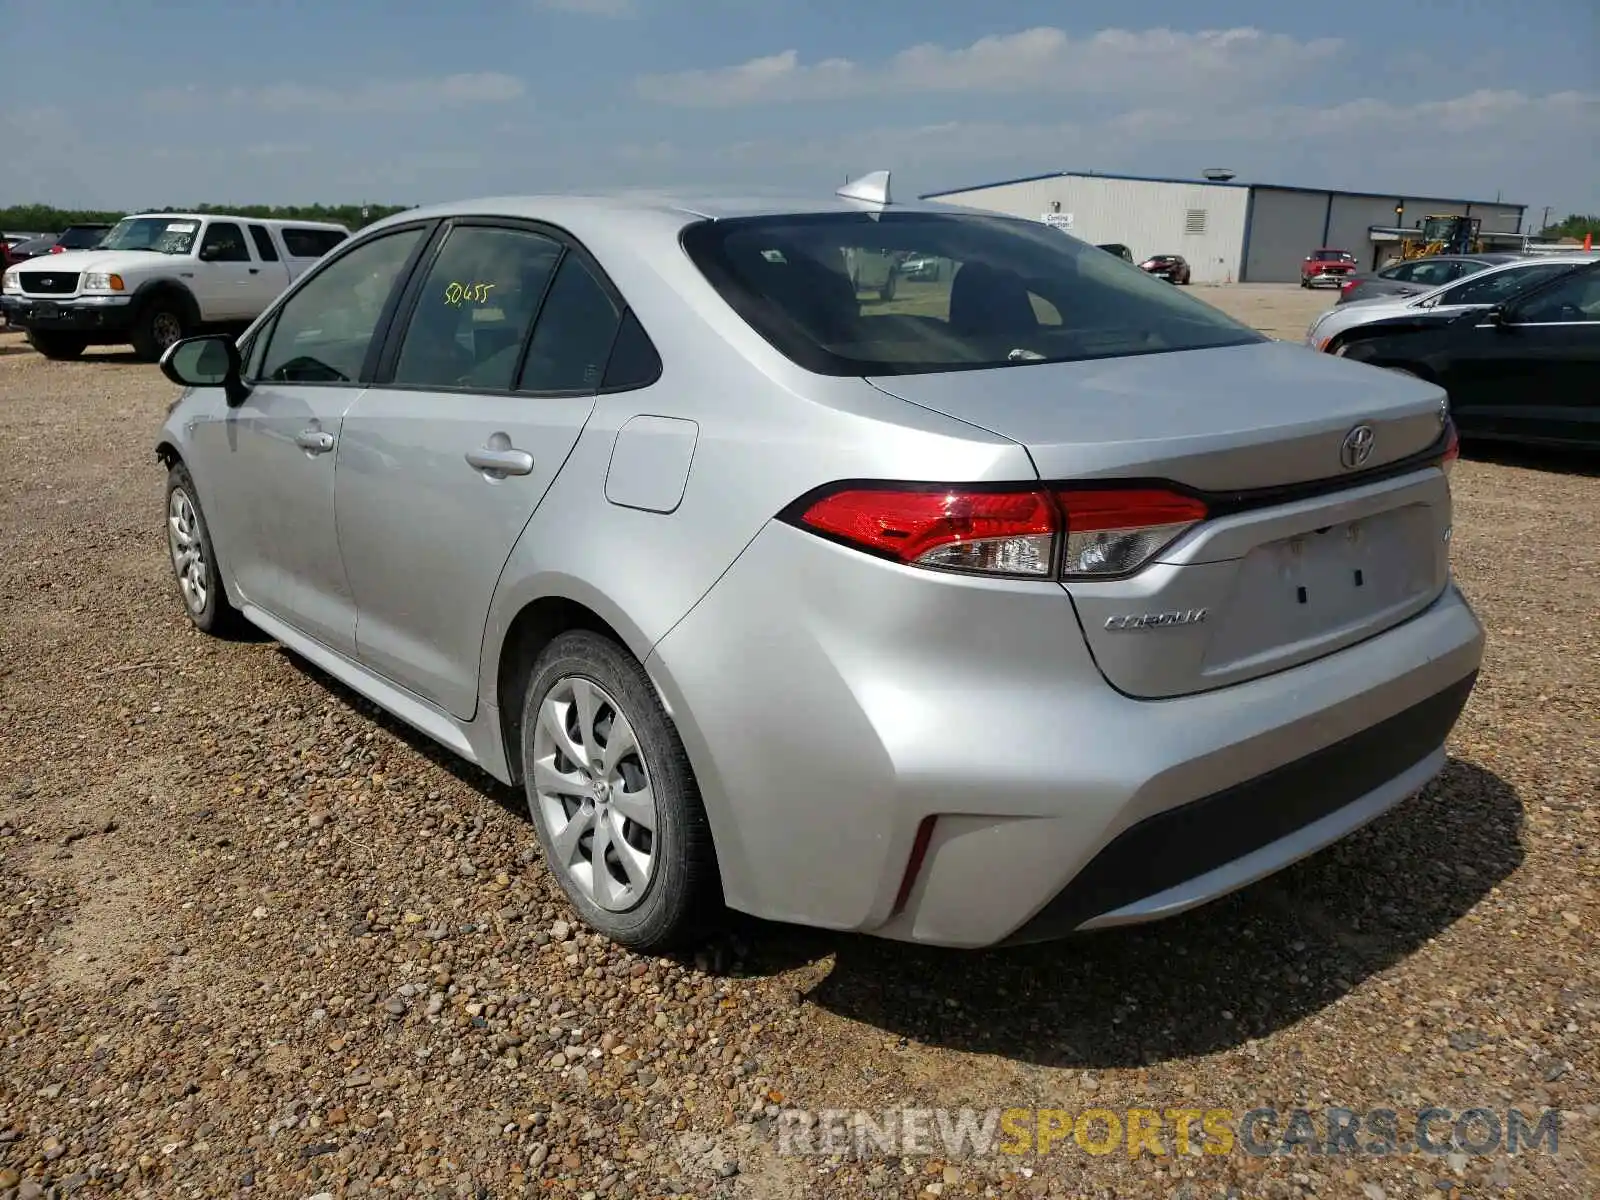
x,y
159,323
655,884
60,347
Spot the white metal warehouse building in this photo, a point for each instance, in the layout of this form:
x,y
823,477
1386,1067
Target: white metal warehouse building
x,y
1228,231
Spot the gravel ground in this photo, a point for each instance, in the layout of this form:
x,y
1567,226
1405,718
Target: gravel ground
x,y
257,939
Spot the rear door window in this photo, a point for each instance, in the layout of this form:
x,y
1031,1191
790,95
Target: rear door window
x,y
263,241
475,308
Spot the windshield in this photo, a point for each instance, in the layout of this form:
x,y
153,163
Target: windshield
x,y
1333,256
164,235
831,293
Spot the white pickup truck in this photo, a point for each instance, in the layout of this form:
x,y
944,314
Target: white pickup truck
x,y
158,277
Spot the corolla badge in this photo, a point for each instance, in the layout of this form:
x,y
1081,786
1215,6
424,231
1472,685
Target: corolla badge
x,y
1157,620
1356,447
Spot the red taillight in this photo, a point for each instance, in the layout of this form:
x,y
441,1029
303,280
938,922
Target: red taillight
x,y
1003,533
1452,450
1103,531
1347,285
58,249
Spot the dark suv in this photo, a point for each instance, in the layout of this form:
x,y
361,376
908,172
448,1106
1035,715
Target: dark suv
x,y
73,237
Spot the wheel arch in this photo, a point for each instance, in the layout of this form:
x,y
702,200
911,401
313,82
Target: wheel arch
x,y
534,622
158,289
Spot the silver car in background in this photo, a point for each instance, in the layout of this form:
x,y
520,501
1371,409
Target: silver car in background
x,y
1418,276
1485,288
1038,597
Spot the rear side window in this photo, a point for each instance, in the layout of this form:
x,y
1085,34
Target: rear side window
x,y
1006,292
310,243
78,237
263,241
572,339
634,362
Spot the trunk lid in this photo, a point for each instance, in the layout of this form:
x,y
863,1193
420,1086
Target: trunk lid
x,y
1300,557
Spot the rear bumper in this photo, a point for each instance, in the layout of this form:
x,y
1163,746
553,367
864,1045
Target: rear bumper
x,y
831,703
1186,856
90,316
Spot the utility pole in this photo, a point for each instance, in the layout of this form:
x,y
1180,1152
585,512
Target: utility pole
x,y
1545,224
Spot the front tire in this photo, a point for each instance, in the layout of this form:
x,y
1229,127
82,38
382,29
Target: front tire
x,y
60,347
194,561
159,324
613,797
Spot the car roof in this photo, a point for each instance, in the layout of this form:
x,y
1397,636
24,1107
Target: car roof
x,y
221,216
577,211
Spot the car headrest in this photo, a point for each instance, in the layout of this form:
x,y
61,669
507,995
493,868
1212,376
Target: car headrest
x,y
989,300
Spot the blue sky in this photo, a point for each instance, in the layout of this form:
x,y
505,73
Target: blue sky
x,y
127,105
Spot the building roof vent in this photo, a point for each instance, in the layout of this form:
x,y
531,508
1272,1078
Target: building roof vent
x,y
1218,174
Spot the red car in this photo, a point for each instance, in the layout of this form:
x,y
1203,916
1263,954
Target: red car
x,y
1327,266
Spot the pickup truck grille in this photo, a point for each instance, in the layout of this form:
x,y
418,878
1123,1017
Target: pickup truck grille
x,y
49,283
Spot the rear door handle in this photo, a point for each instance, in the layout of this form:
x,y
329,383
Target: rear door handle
x,y
314,441
255,270
499,461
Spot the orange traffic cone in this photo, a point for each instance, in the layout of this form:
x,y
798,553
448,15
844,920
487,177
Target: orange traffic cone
x,y
1588,241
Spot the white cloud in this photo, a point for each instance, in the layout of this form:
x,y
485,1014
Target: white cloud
x,y
375,96
1509,136
1043,60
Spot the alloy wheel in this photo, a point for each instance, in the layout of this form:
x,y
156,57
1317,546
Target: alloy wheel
x,y
594,793
187,549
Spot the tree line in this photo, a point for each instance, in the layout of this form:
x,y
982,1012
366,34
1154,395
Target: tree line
x,y
1573,226
42,218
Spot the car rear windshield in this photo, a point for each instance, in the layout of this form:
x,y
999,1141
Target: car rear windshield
x,y
82,237
829,291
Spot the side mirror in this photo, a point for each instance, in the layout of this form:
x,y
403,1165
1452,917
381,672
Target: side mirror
x,y
1496,316
211,360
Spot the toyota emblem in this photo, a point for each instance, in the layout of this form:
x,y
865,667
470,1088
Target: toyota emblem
x,y
1357,447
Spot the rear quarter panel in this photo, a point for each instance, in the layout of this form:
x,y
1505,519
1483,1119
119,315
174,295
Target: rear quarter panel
x,y
767,432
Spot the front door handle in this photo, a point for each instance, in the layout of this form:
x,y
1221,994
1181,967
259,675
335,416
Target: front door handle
x,y
314,441
500,461
255,270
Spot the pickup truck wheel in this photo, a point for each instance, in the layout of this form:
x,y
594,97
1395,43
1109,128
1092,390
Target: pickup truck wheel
x,y
157,326
58,346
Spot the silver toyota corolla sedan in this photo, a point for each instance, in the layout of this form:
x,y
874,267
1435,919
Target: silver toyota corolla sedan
x,y
1027,596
